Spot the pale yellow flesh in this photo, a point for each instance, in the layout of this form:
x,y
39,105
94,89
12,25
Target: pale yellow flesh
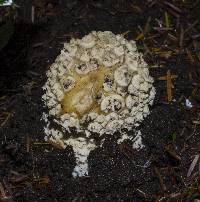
x,y
81,99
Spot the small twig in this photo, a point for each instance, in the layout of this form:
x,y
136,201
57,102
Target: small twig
x,y
33,14
196,36
43,180
163,28
41,143
181,37
157,172
199,168
8,115
36,45
142,193
197,122
169,86
152,3
141,35
191,26
175,8
172,37
174,195
168,78
195,45
191,58
126,150
195,127
147,50
17,178
167,20
28,144
136,8
146,28
2,191
173,154
58,145
125,33
193,164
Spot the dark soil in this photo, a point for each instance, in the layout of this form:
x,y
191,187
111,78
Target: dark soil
x,y
31,170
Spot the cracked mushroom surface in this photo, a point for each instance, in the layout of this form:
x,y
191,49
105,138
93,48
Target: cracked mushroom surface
x,y
99,84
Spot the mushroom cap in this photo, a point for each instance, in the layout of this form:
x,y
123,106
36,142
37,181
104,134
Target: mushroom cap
x,y
107,79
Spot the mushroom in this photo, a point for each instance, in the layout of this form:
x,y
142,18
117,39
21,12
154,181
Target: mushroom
x,y
98,84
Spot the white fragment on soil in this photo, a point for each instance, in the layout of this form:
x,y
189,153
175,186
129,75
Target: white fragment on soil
x,y
136,139
188,103
98,85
